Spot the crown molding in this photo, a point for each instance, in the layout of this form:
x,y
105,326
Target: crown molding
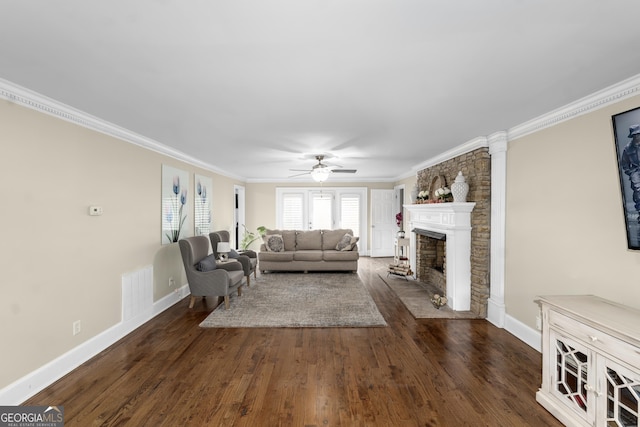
x,y
467,147
35,101
600,99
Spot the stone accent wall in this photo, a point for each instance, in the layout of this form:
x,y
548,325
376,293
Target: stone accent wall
x,y
476,168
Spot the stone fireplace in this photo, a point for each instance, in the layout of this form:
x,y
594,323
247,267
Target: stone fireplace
x,y
449,224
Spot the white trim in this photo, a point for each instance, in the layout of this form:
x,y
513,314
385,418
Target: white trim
x,y
35,101
30,99
523,332
34,382
602,98
332,179
467,147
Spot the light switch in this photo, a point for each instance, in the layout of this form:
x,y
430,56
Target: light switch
x,y
95,210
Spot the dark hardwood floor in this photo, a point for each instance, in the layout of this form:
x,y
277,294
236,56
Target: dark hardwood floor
x,y
170,372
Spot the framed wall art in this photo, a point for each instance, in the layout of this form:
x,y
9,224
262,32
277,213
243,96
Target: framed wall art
x,y
202,205
176,221
626,129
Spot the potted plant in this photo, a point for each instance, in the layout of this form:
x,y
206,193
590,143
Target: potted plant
x,y
250,237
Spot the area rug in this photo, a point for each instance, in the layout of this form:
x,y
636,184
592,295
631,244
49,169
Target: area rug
x,y
293,300
416,296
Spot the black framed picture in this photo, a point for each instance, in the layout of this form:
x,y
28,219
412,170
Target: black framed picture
x,y
626,129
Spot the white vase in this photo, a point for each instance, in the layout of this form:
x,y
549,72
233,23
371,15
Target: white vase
x,y
459,189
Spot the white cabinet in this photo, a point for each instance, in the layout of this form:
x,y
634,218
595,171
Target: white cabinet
x,y
590,361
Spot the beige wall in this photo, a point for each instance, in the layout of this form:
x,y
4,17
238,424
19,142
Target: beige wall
x,y
565,230
408,183
59,264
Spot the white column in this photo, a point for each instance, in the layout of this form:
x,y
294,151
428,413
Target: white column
x,y
496,308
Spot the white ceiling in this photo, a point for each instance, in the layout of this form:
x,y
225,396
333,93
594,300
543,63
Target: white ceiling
x,y
256,87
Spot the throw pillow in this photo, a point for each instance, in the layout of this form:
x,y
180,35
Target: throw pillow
x,y
352,244
207,263
347,243
344,242
233,254
274,242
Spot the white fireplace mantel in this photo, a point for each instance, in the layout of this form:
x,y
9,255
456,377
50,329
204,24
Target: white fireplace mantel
x,y
453,220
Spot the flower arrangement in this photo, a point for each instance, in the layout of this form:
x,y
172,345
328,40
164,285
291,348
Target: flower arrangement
x,y
443,194
423,196
177,205
399,219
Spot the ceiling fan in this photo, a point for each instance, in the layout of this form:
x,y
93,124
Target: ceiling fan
x,y
321,171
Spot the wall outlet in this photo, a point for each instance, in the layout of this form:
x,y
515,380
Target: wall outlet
x,y
172,282
538,323
76,327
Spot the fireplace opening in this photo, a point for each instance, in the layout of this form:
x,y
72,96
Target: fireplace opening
x,y
431,258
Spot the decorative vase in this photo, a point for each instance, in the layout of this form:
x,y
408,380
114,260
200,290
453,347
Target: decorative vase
x,y
459,189
400,234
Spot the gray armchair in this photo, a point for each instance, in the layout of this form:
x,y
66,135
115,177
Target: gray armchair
x,y
249,263
219,282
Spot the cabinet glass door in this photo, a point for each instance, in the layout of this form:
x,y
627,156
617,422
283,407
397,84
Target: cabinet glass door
x,y
623,396
570,374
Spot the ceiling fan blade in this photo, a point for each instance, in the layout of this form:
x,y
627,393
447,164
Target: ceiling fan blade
x,y
299,174
344,170
300,170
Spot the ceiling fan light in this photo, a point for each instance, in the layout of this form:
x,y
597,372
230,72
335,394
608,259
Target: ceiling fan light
x,y
320,174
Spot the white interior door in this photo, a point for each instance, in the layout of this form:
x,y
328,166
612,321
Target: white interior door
x,y
383,222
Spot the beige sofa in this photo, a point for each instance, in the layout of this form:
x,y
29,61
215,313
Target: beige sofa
x,y
308,250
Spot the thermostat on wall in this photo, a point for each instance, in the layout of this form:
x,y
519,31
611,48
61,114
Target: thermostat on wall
x,y
95,210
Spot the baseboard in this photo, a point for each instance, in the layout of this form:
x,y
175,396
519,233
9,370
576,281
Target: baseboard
x,y
523,332
496,312
36,381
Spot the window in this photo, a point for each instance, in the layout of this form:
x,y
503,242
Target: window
x,y
350,212
292,217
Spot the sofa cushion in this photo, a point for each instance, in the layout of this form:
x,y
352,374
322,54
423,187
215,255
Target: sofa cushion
x,y
306,240
288,236
207,263
308,255
333,255
346,243
330,238
274,243
276,256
